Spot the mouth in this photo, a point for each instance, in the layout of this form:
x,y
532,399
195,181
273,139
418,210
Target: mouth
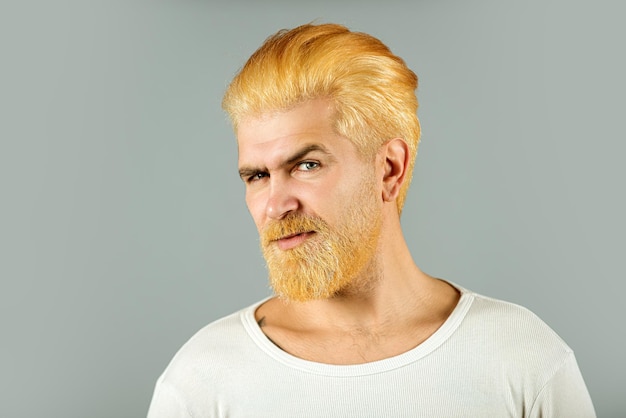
x,y
291,241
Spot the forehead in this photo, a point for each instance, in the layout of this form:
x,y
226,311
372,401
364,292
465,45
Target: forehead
x,y
272,134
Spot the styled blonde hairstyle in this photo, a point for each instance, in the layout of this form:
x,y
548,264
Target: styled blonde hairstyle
x,y
372,90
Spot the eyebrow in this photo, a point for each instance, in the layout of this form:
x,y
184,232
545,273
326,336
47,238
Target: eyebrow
x,y
247,171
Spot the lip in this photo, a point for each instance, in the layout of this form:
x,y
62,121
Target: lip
x,y
292,241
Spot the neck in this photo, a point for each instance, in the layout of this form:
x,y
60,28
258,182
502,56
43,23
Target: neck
x,y
391,290
392,308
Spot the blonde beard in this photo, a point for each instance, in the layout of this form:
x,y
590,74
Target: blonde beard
x,y
330,261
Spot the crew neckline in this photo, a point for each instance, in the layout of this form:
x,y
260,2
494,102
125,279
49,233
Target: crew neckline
x,y
379,366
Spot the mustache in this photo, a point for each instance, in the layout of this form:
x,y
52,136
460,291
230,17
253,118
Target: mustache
x,y
292,224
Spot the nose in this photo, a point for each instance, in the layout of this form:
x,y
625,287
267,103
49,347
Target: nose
x,y
281,200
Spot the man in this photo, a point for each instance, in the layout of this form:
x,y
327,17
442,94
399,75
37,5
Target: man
x,y
327,132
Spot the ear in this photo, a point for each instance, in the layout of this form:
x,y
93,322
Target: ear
x,y
396,163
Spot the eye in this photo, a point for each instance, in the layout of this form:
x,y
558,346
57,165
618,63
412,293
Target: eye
x,y
256,177
308,165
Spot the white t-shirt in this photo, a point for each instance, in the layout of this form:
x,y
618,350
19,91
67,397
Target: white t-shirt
x,y
489,359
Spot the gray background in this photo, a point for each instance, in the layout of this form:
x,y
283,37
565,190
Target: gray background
x,y
123,228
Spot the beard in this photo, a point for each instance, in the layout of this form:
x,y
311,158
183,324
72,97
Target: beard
x,y
330,261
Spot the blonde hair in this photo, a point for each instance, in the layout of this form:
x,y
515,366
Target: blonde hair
x,y
372,90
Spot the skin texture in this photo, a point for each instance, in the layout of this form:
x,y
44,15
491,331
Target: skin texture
x,y
296,167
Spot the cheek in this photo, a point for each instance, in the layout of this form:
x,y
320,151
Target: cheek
x,y
256,209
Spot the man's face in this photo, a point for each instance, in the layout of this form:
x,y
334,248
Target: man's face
x,y
313,198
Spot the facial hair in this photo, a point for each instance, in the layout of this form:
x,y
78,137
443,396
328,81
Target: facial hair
x,y
329,261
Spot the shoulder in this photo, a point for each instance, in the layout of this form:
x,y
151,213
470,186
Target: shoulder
x,y
513,339
195,378
512,357
512,322
203,357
